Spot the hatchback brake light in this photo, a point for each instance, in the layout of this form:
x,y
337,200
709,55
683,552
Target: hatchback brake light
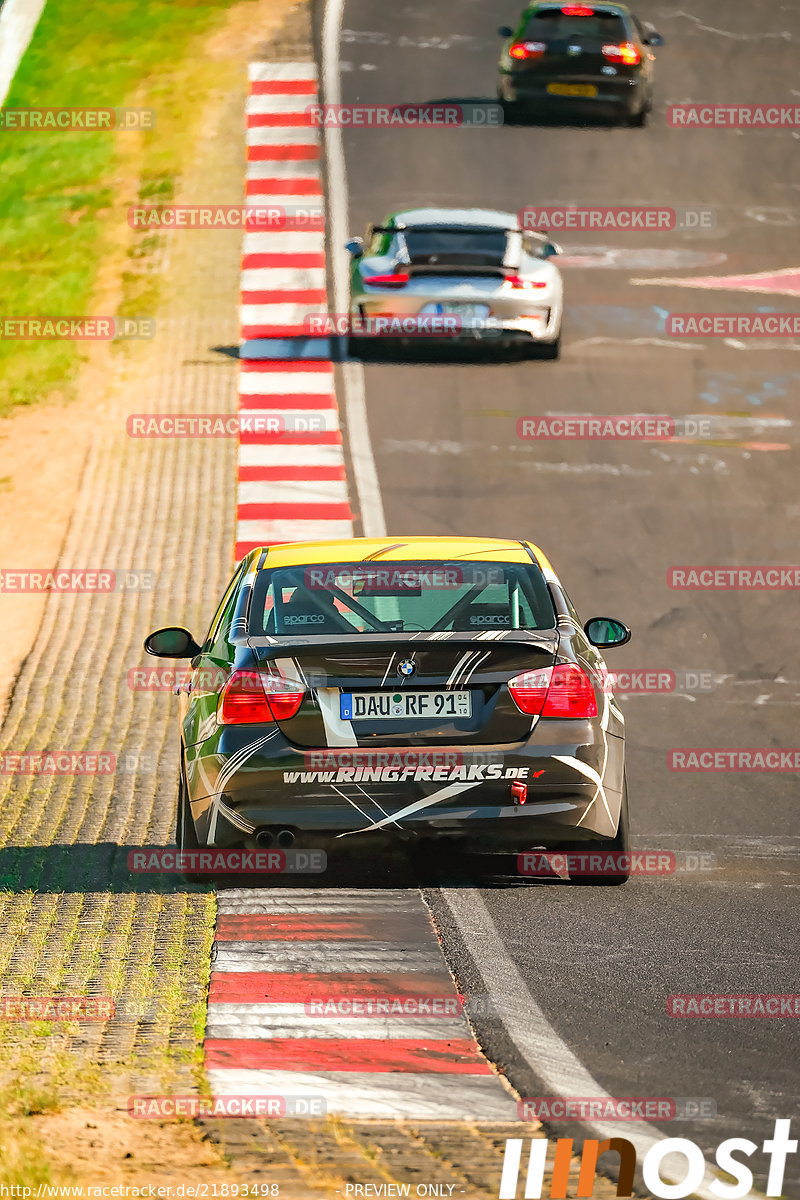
x,y
626,53
528,49
249,698
563,690
387,281
577,10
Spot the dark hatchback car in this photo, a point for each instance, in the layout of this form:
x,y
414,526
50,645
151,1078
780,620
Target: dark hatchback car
x,y
586,59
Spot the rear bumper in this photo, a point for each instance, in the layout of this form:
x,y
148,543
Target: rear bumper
x,y
463,796
617,92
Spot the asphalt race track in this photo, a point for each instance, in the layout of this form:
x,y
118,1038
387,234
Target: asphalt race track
x,y
615,516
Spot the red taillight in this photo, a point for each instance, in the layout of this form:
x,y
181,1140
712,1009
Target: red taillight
x,y
387,281
517,281
626,53
560,691
527,49
577,10
249,698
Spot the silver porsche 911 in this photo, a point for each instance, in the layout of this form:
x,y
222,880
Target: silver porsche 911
x,y
464,273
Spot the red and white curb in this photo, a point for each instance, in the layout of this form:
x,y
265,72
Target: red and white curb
x,y
288,962
291,483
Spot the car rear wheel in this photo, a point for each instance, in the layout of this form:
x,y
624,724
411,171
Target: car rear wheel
x,y
620,844
550,350
185,833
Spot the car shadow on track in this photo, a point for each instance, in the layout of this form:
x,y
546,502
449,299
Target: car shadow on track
x,y
554,117
107,867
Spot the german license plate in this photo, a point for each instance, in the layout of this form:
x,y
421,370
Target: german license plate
x,y
470,312
572,89
404,706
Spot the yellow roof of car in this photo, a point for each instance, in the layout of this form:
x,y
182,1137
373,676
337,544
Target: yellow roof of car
x,y
395,549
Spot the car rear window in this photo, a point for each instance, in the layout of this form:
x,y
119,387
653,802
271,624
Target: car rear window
x,y
399,597
553,24
479,247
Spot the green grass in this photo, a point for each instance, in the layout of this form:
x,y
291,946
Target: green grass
x,y
57,190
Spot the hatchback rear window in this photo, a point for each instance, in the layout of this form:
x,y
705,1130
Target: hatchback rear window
x,y
552,24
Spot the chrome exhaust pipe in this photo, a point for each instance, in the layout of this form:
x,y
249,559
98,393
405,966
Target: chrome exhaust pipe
x,y
264,838
285,839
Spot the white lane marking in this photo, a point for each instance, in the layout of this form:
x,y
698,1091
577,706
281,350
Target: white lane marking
x,y
284,241
18,20
284,383
292,312
299,454
290,530
265,72
548,1056
373,520
293,491
331,957
405,1095
353,902
337,731
278,168
263,1027
282,135
277,279
453,789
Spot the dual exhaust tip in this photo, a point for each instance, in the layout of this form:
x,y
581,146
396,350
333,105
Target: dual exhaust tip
x,y
266,838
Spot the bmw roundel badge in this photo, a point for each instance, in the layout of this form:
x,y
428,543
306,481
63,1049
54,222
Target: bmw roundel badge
x,y
406,667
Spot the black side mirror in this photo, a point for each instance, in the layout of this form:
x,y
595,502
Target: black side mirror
x,y
606,631
505,31
172,642
653,39
355,247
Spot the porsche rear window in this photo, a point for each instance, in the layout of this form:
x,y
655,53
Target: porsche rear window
x,y
399,597
479,247
551,24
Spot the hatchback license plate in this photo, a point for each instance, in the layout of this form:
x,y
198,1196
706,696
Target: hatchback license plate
x,y
572,89
403,706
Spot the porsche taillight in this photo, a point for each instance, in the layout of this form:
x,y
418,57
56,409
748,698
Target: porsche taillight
x,y
250,698
522,50
563,690
387,281
517,281
626,53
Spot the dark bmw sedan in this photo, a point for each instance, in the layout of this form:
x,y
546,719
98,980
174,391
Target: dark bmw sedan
x,y
588,59
436,690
